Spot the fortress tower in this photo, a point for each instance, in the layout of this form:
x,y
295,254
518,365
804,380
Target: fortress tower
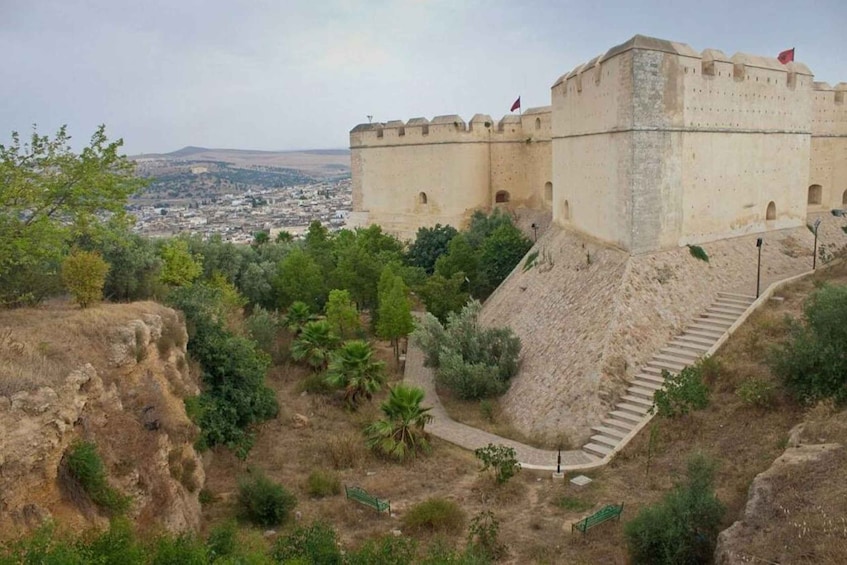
x,y
649,146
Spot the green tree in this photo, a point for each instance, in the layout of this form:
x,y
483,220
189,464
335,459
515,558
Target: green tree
x,y
353,368
401,434
84,274
395,313
813,361
429,245
341,314
314,344
297,316
683,527
135,266
48,195
299,278
443,296
179,266
261,238
500,252
501,459
284,237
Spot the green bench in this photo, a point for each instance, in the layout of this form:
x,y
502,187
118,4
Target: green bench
x,y
361,495
605,513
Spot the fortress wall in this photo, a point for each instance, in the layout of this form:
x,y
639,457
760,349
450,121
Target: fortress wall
x,y
829,145
592,148
521,167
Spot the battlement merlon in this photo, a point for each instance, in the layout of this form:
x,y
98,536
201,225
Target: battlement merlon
x,y
534,124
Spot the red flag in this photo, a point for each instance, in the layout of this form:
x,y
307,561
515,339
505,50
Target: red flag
x,y
516,105
786,56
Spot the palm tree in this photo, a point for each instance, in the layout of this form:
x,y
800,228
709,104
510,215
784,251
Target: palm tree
x,y
314,344
352,367
400,434
297,316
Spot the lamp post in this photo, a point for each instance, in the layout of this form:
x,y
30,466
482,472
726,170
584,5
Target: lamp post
x,y
815,254
535,231
759,265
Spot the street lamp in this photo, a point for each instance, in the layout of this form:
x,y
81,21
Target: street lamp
x,y
815,254
534,227
759,265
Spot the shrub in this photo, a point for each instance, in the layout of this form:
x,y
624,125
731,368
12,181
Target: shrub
x,y
387,550
500,459
698,253
683,392
813,363
314,545
756,392
262,327
182,550
434,515
222,540
323,483
684,526
84,274
86,467
263,501
483,536
345,450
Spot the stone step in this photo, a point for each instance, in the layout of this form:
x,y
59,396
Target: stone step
x,y
595,449
696,347
632,399
729,303
655,380
611,432
706,342
601,439
680,353
592,458
635,409
624,426
662,359
626,416
667,365
649,385
724,311
719,317
705,332
736,296
727,308
644,392
713,323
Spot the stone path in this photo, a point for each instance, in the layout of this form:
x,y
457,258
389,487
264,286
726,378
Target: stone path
x,y
446,428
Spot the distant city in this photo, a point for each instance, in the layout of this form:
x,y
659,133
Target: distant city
x,y
236,194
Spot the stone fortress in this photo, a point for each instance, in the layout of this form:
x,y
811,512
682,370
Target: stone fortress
x,y
643,150
648,146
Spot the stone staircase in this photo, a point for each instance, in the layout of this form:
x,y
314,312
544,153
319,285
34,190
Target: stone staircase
x,y
682,351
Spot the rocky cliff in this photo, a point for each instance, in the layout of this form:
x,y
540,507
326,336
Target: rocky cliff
x,y
114,375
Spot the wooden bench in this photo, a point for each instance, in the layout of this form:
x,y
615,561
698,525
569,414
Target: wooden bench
x,y
361,495
605,513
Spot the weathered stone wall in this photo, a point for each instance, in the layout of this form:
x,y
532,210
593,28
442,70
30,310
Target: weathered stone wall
x,y
829,145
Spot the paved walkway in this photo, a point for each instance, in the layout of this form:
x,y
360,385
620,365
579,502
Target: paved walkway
x,y
446,428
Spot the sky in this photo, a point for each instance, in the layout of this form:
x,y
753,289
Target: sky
x,y
295,74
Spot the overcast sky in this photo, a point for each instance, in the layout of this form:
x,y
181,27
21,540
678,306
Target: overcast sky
x,y
295,74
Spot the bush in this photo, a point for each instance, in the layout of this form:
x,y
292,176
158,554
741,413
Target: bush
x,y
756,392
263,501
813,362
500,459
262,327
345,450
183,550
483,536
86,467
683,393
84,274
313,545
683,527
698,253
322,483
434,515
471,361
388,550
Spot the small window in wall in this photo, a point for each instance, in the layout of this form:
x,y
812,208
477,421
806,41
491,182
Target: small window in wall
x,y
425,130
501,196
771,213
548,191
537,123
379,133
566,211
401,131
422,199
844,198
815,194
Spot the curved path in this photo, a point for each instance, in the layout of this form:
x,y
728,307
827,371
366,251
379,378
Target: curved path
x,y
446,428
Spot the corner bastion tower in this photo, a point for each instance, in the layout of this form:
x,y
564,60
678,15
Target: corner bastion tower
x,y
649,146
644,149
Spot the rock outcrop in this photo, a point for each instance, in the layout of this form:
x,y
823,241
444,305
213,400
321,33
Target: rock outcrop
x,y
129,402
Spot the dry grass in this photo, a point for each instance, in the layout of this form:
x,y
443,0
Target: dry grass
x,y
40,346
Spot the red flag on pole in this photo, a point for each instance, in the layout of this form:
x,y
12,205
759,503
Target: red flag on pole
x,y
516,105
786,56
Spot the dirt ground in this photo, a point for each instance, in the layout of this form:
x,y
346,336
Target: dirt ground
x,y
534,510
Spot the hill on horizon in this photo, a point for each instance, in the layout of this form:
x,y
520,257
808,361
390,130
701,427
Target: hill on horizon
x,y
318,162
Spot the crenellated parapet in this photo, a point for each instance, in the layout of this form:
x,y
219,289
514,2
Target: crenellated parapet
x,y
829,109
533,124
